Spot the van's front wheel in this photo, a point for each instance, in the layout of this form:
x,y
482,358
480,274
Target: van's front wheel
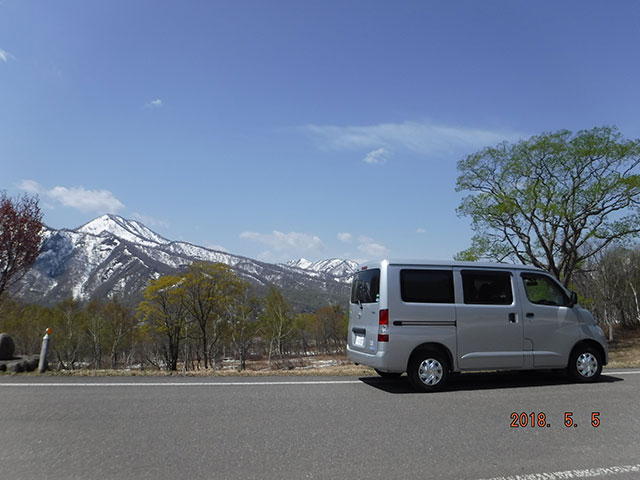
x,y
428,370
585,364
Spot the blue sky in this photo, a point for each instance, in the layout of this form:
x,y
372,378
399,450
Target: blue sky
x,y
288,129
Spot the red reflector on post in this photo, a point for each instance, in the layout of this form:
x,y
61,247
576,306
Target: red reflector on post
x,y
383,325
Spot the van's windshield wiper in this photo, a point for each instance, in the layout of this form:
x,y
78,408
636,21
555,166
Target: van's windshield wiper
x,y
360,304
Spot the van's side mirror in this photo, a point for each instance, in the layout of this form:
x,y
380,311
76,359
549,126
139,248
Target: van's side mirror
x,y
573,299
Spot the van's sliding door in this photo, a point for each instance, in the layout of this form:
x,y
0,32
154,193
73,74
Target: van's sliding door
x,y
489,327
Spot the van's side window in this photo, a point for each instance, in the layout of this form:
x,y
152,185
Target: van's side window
x,y
543,290
426,286
366,286
487,288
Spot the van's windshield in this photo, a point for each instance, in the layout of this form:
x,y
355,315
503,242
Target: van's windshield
x,y
366,286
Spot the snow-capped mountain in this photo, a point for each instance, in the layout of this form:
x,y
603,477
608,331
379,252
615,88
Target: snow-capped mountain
x,y
336,267
114,256
131,230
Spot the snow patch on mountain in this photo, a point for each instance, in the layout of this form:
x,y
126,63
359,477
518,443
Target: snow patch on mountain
x,y
300,263
336,267
130,230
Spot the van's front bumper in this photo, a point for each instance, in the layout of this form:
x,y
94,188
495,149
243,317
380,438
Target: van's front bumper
x,y
377,360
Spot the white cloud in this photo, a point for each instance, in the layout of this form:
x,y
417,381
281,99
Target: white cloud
x,y
150,221
80,198
371,248
285,246
99,201
30,186
378,156
421,230
345,237
423,138
5,56
157,103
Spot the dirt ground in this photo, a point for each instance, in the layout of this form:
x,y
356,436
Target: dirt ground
x,y
624,351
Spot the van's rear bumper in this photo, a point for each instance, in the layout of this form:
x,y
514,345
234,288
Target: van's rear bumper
x,y
377,360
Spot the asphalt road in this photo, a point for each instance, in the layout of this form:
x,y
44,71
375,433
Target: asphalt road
x,y
341,427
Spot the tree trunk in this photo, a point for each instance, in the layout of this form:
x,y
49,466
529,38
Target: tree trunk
x,y
270,352
635,298
204,349
610,323
114,357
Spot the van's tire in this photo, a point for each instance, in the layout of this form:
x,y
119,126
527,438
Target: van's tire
x,y
388,375
585,364
428,370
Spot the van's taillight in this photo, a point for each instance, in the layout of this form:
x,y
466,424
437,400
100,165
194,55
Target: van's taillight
x,y
383,326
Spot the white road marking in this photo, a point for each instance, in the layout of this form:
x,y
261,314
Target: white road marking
x,y
584,473
177,384
634,372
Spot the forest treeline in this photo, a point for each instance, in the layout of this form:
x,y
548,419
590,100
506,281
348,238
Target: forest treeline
x,y
195,319
609,286
187,321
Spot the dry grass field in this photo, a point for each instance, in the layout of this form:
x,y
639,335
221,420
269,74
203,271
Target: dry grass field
x,y
321,365
624,352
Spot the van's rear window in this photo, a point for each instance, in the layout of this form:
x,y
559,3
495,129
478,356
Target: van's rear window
x,y
366,286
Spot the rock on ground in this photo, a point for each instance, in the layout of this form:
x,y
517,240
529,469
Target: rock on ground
x,y
27,363
7,347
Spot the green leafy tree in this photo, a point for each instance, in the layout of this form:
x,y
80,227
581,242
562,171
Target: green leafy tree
x,y
163,310
553,200
243,320
26,323
329,328
277,322
303,329
208,291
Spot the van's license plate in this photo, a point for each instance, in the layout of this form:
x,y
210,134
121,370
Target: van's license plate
x,y
359,341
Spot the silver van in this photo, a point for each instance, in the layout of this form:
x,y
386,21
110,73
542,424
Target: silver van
x,y
431,318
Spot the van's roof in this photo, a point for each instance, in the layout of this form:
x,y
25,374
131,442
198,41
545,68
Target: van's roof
x,y
447,263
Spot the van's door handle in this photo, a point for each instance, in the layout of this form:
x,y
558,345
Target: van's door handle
x,y
530,315
513,318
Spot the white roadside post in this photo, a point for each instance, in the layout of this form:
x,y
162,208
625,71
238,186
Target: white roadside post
x,y
43,351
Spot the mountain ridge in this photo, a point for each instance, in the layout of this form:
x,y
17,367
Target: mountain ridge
x,y
112,256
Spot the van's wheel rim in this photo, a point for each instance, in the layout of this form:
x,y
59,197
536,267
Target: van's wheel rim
x,y
587,364
430,372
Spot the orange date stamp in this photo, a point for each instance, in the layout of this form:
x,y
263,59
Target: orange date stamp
x,y
540,420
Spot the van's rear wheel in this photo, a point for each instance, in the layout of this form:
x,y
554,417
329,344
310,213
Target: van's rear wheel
x,y
428,370
388,375
585,364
